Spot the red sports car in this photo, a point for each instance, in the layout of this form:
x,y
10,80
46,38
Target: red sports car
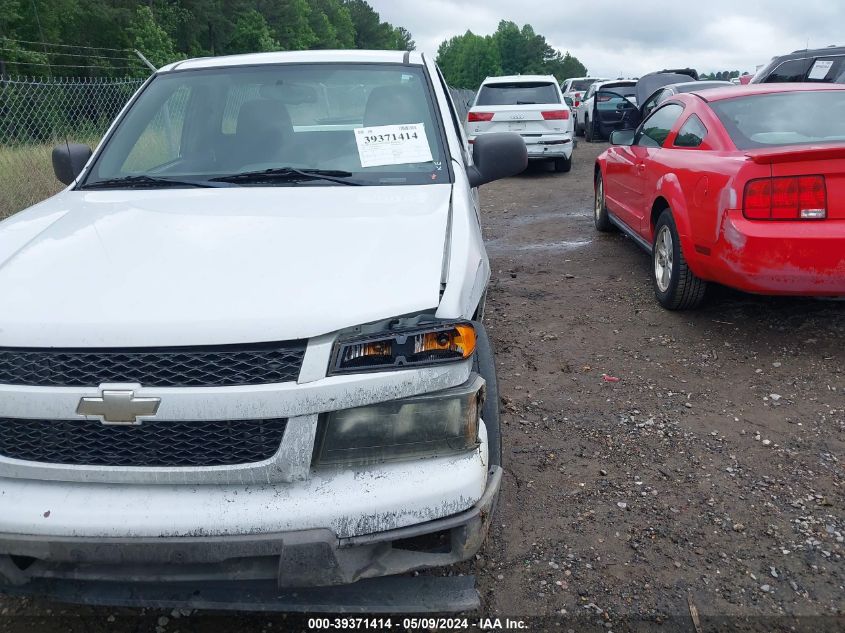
x,y
742,185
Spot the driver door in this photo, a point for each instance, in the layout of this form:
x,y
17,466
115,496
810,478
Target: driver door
x,y
643,169
613,111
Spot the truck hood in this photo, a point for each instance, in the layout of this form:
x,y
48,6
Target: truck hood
x,y
214,266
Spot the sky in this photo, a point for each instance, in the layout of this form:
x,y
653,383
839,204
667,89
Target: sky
x,y
614,38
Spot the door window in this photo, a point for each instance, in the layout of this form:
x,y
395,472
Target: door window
x,y
656,128
459,131
653,101
790,71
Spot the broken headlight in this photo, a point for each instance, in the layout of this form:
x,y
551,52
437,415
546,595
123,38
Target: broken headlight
x,y
429,425
424,345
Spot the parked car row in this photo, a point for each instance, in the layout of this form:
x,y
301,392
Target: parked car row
x,y
739,185
719,183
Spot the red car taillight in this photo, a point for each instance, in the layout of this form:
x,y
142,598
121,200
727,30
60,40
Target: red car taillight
x,y
474,117
577,103
556,115
786,198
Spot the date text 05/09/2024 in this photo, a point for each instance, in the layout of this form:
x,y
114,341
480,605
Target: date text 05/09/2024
x,y
361,623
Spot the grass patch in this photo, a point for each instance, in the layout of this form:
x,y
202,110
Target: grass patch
x,y
26,177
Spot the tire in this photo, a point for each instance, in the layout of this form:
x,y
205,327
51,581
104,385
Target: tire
x,y
484,364
675,285
600,217
579,129
588,130
563,165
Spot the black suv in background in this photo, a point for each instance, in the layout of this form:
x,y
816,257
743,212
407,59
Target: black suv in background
x,y
823,65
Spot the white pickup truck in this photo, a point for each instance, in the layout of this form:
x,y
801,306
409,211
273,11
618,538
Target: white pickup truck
x,y
242,351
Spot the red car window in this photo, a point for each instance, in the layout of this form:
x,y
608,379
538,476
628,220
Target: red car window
x,y
655,129
692,133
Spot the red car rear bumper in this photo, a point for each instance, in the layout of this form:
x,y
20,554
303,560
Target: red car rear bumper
x,y
785,258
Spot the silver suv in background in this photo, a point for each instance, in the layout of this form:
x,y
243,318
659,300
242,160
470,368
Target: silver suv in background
x,y
531,106
574,89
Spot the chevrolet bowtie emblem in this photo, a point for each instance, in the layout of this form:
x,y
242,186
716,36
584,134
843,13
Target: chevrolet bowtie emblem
x,y
115,406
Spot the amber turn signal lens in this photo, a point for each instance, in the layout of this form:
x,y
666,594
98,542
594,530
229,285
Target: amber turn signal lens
x,y
461,340
465,340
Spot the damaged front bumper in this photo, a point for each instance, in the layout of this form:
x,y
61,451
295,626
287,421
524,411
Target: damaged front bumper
x,y
262,572
315,557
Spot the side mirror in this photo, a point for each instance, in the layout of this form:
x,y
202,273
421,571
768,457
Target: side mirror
x,y
497,156
622,137
68,161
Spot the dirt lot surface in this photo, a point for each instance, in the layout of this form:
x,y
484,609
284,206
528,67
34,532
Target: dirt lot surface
x,y
710,474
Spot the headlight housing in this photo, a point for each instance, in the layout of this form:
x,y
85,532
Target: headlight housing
x,y
429,425
412,347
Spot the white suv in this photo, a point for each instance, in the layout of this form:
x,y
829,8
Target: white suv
x,y
573,90
531,106
241,352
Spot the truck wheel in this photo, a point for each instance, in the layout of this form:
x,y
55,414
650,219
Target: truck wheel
x,y
588,130
675,285
563,165
484,364
600,217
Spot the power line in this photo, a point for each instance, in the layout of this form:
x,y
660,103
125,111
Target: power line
x,y
72,65
95,48
63,54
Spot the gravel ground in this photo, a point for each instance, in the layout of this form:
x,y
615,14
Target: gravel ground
x,y
654,460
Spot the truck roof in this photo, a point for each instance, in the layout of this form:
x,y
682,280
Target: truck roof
x,y
298,57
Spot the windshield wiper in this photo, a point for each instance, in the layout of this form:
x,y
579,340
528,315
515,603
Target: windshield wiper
x,y
145,181
290,174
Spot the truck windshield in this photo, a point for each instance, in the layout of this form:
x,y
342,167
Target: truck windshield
x,y
517,93
371,124
789,118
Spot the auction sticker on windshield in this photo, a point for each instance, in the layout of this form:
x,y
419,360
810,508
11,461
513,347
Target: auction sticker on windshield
x,y
392,145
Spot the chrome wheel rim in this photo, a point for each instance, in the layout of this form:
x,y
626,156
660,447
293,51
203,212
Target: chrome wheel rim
x,y
599,198
663,258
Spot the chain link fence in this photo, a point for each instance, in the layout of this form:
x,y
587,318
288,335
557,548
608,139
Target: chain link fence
x,y
36,113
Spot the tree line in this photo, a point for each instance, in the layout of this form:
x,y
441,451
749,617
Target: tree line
x,y
96,36
722,75
466,60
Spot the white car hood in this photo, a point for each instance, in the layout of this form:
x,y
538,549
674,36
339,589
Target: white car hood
x,y
214,266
